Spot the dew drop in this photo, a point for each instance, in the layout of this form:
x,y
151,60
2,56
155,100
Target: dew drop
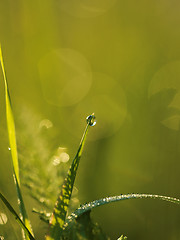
x,y
9,148
19,201
3,219
48,214
42,200
91,120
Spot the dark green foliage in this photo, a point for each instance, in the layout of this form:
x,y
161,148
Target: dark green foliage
x,y
83,228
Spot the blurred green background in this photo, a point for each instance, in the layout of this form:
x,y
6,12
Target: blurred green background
x,y
65,59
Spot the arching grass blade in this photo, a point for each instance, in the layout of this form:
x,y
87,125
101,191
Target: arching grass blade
x,y
11,209
58,217
97,203
13,147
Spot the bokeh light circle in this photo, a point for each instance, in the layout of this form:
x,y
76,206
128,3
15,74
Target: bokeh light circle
x,y
65,76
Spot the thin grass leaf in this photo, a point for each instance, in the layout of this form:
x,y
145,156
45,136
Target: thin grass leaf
x,y
97,203
13,148
61,206
11,209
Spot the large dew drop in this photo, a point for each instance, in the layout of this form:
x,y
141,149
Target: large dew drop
x,y
91,120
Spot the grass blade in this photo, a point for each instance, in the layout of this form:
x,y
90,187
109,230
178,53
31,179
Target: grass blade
x,y
13,147
11,209
58,217
97,203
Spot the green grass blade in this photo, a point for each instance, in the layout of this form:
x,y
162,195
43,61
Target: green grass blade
x,y
13,147
97,203
11,209
58,217
10,123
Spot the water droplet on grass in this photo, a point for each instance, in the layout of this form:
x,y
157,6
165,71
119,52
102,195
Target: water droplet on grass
x,y
42,200
18,201
91,120
3,219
